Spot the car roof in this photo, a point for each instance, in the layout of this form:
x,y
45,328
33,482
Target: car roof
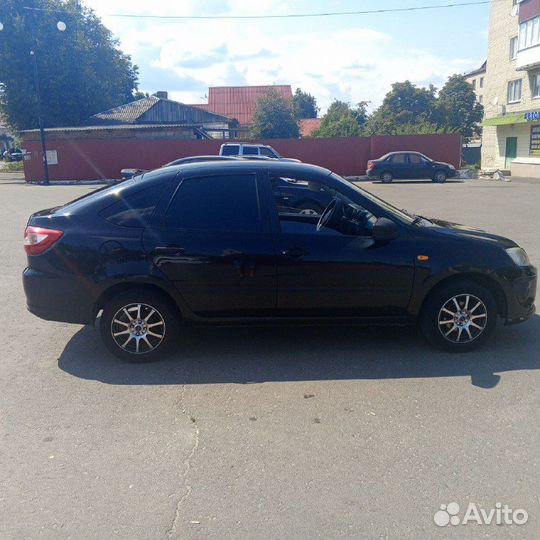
x,y
403,152
247,144
281,167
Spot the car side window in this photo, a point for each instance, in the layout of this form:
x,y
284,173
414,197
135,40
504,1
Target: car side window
x,y
398,158
250,151
216,203
300,203
415,159
230,150
267,152
133,209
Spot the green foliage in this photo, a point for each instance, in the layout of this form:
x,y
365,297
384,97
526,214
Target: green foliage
x,y
409,110
81,70
404,105
13,166
458,108
342,120
274,118
305,105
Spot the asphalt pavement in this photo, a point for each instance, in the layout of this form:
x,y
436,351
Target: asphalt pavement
x,y
290,433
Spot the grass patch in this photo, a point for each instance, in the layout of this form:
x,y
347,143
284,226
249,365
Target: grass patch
x,y
13,166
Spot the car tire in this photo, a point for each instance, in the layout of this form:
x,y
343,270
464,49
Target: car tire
x,y
387,177
140,326
440,177
310,208
460,329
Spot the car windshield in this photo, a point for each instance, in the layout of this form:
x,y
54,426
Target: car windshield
x,y
400,215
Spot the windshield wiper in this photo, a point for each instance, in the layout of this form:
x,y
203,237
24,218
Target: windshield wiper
x,y
418,219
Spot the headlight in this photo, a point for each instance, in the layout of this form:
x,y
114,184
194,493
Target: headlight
x,y
519,256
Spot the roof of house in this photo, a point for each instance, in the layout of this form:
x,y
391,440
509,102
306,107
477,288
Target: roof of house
x,y
481,69
155,110
308,126
239,102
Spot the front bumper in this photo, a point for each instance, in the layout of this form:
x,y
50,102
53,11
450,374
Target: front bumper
x,y
520,296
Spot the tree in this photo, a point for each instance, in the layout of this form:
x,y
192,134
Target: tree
x,y
458,108
81,70
305,105
405,104
274,118
342,120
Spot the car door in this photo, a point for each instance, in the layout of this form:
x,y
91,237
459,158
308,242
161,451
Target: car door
x,y
215,245
328,273
399,165
419,166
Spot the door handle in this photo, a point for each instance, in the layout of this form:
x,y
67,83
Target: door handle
x,y
294,253
169,250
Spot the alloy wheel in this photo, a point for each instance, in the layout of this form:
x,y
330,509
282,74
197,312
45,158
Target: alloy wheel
x,y
463,318
138,328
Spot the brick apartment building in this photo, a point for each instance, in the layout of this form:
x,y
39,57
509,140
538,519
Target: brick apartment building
x,y
511,89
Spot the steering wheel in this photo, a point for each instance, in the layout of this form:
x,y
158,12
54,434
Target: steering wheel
x,y
332,214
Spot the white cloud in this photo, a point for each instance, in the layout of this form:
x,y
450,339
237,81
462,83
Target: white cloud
x,y
355,64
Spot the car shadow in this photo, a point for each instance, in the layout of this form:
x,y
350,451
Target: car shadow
x,y
212,355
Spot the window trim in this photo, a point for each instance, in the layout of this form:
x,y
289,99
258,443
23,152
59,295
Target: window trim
x,y
522,43
537,77
514,51
514,82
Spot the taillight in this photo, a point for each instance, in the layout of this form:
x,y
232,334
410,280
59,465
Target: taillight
x,y
37,239
370,165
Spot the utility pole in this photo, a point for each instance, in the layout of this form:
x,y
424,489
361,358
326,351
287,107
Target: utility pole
x,y
40,119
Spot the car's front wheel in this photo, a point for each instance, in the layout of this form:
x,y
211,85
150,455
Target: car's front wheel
x,y
439,177
460,316
140,326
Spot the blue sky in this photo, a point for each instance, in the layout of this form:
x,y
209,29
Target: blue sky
x,y
352,58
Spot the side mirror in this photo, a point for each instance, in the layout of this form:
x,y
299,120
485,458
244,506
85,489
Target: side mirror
x,y
385,230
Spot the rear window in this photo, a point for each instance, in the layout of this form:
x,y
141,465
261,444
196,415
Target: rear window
x,y
230,150
224,203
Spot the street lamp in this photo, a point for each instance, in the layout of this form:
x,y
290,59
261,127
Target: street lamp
x,y
61,27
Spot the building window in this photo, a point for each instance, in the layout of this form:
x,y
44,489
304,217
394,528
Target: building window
x,y
535,85
473,82
513,48
514,91
529,33
481,82
481,99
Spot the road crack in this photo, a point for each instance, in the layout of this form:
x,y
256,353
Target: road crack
x,y
187,465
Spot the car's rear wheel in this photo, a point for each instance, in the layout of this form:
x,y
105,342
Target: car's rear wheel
x,y
387,177
310,209
460,316
439,177
140,326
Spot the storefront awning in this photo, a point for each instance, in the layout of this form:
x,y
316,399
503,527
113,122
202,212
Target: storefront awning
x,y
506,120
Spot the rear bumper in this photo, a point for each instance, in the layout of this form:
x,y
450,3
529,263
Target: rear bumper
x,y
64,298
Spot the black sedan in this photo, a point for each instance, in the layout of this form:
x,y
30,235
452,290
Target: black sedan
x,y
207,243
409,165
